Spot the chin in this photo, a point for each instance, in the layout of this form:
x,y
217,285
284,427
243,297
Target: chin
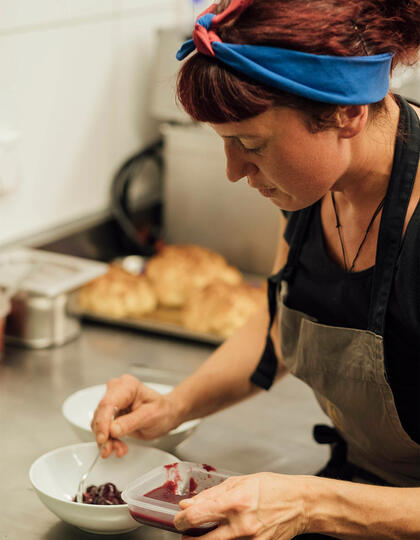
x,y
289,204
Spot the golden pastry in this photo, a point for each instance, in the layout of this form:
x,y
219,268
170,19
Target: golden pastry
x,y
118,294
221,309
180,270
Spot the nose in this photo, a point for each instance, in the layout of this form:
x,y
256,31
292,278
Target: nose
x,y
237,164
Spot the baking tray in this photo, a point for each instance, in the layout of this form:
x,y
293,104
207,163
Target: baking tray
x,y
164,321
156,322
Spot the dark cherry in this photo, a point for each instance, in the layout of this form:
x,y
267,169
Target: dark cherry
x,y
104,494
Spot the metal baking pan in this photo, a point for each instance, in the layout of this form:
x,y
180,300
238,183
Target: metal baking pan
x,y
157,322
164,321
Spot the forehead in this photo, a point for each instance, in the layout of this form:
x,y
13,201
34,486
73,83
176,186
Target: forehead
x,y
259,126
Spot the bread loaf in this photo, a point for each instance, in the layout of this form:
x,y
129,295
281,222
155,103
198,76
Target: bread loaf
x,y
179,271
221,308
118,294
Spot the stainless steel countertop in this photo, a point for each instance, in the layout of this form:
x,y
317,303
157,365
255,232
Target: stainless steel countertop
x,y
271,431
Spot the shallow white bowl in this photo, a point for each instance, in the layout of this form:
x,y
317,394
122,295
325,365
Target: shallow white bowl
x,y
78,410
55,477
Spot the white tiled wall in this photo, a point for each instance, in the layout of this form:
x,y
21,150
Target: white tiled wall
x,y
74,81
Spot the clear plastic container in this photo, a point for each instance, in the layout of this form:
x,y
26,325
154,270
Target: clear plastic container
x,y
153,498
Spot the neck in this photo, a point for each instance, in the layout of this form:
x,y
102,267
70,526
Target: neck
x,y
366,181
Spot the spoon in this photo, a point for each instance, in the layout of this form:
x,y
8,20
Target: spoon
x,y
82,484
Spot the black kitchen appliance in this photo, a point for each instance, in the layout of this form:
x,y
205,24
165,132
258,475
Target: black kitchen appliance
x,y
136,201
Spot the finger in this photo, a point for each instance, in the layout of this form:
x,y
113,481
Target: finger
x,y
209,494
107,449
133,421
185,503
101,422
206,497
198,514
120,394
120,448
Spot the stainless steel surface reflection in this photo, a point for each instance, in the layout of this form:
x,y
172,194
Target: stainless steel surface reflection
x,y
270,432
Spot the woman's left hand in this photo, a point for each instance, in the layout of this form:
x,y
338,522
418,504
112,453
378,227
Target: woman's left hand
x,y
263,506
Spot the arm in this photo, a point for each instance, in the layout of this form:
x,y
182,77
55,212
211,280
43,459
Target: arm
x,y
224,379
279,507
221,381
354,511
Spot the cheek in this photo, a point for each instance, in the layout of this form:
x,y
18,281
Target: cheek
x,y
309,167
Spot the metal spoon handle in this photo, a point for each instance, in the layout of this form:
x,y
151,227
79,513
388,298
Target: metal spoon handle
x,y
82,484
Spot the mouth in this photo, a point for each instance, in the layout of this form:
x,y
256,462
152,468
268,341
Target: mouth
x,y
267,192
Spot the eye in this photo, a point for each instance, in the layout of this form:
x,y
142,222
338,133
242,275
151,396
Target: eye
x,y
253,149
257,150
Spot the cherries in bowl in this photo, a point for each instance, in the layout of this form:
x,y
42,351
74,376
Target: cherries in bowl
x,y
55,477
106,494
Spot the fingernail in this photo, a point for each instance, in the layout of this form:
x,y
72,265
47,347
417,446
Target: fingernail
x,y
116,429
100,438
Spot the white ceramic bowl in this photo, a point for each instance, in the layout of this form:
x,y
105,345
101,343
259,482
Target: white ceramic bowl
x,y
78,410
55,477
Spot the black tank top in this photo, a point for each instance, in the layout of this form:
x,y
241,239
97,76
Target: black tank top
x,y
322,289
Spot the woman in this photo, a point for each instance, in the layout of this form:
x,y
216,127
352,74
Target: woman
x,y
298,90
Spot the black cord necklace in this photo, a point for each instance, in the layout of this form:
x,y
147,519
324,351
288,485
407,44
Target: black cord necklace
x,y
338,226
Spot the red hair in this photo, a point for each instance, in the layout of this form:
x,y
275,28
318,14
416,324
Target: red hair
x,y
212,92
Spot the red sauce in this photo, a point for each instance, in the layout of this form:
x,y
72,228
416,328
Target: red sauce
x,y
193,486
169,526
167,493
171,466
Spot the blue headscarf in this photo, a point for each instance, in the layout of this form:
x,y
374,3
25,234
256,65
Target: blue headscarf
x,y
341,80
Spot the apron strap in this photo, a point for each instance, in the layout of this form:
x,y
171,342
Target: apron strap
x,y
266,370
404,170
338,467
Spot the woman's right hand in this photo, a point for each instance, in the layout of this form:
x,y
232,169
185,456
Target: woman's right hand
x,y
141,412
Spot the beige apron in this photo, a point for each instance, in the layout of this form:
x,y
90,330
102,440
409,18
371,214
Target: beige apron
x,y
345,366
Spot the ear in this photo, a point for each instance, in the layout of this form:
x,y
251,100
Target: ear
x,y
351,119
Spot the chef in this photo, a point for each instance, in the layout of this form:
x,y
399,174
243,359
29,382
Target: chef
x,y
299,93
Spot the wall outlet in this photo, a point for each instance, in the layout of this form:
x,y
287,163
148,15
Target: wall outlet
x,y
10,165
